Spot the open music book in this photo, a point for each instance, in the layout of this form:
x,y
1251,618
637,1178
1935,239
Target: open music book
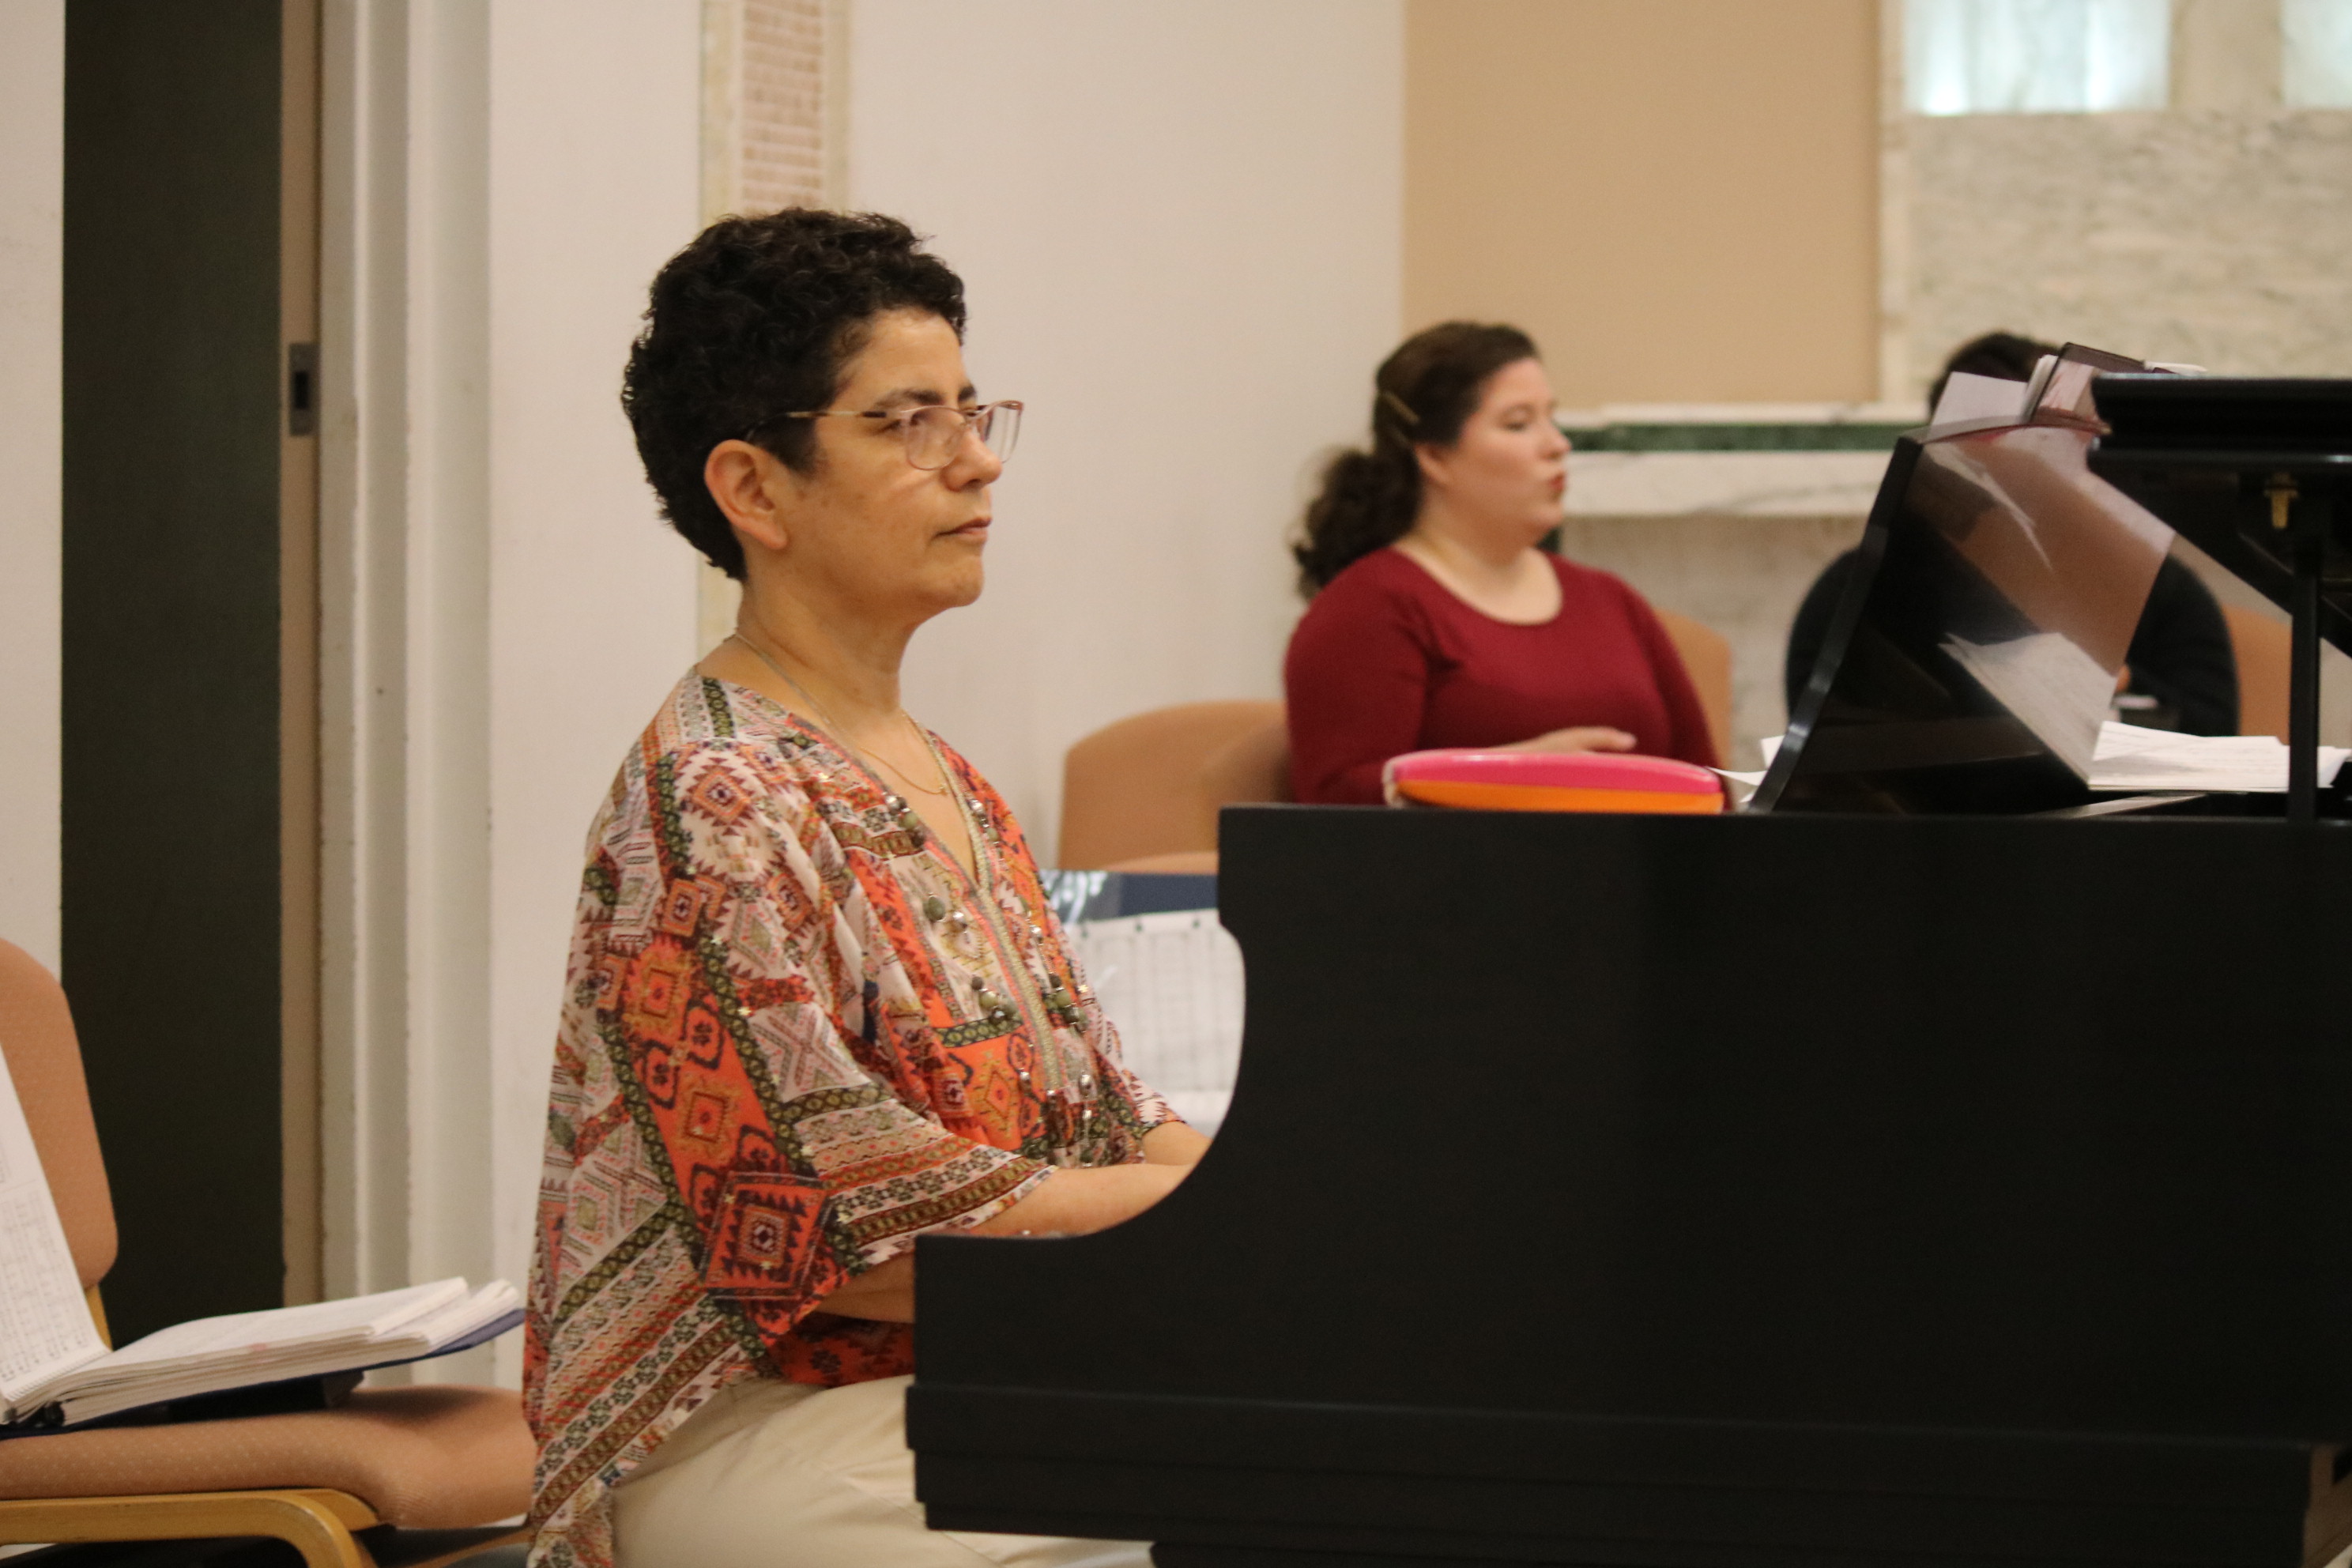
x,y
55,1370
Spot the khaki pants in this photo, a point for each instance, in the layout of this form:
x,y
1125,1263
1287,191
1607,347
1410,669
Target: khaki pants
x,y
782,1475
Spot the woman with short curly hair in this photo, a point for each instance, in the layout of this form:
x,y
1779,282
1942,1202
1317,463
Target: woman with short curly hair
x,y
818,1003
1438,618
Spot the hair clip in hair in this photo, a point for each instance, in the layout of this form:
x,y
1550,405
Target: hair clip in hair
x,y
1404,409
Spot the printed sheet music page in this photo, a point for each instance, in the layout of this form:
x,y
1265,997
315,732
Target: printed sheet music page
x,y
1172,984
45,1324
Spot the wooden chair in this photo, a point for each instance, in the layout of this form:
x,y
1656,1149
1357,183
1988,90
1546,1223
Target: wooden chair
x,y
434,1458
1706,655
2264,648
1142,795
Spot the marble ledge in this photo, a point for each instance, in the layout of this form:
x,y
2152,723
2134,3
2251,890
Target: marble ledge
x,y
1742,484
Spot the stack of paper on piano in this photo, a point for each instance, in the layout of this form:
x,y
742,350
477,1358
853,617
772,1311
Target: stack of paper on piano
x,y
2136,760
2133,760
208,1355
55,1371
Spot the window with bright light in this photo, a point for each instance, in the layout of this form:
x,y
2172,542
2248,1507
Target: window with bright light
x,y
2039,56
2317,36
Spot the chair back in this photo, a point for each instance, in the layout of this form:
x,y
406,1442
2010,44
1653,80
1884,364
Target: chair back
x,y
2264,651
37,1036
1707,656
1152,785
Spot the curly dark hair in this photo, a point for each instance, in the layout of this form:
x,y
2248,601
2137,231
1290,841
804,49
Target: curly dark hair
x,y
756,319
1421,395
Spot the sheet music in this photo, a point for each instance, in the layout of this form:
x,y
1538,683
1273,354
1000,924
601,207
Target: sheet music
x,y
45,1325
1972,397
2051,686
359,1319
1171,984
2131,758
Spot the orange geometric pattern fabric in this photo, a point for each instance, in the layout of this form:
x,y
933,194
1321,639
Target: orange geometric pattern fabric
x,y
796,1034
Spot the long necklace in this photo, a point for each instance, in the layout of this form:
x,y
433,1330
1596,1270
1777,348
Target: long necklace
x,y
1070,1126
839,734
1069,1122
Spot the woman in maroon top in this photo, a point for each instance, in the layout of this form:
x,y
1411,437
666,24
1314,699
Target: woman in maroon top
x,y
1437,618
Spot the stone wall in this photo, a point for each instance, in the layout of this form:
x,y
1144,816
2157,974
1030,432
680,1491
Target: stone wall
x,y
783,109
2213,237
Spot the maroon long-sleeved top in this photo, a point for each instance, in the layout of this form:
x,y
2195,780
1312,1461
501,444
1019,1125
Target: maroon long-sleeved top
x,y
1386,662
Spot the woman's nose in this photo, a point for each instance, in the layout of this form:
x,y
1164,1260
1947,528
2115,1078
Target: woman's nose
x,y
975,464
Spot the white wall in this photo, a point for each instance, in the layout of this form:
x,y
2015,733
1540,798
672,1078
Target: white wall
x,y
32,227
1180,224
595,182
503,609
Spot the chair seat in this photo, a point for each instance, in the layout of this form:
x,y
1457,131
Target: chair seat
x,y
439,1456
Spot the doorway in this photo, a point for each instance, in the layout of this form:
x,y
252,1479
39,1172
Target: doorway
x,y
189,643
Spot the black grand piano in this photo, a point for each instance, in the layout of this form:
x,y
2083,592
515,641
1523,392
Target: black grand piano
x,y
1936,1165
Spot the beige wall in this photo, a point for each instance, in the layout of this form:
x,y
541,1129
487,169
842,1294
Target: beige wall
x,y
1677,197
504,611
1177,224
32,217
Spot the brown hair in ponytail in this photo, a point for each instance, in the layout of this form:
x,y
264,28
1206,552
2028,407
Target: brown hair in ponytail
x,y
1423,395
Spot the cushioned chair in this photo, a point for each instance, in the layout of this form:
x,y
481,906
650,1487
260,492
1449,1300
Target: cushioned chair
x,y
2264,648
434,1458
1142,795
1707,657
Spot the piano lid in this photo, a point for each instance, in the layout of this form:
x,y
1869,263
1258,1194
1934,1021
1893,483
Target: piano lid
x,y
2206,454
1973,656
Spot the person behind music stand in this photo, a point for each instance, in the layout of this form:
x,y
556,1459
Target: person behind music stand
x,y
2181,673
818,1003
1437,616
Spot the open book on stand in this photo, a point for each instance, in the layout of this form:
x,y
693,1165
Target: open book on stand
x,y
56,1372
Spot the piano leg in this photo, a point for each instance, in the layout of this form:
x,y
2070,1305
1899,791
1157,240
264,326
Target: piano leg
x,y
2309,547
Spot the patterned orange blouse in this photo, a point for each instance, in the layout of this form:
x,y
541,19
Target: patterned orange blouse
x,y
796,1033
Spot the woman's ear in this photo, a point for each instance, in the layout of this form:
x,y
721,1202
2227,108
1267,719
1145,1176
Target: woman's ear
x,y
1432,460
745,481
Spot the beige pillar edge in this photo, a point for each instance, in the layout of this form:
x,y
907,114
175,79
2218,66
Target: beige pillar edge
x,y
732,118
300,1110
1894,369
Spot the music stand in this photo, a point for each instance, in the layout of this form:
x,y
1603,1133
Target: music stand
x,y
2254,472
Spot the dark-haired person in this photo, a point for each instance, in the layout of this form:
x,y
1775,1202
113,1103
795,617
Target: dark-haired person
x,y
2003,356
1437,618
817,1002
2181,661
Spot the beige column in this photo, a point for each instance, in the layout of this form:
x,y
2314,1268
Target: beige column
x,y
772,106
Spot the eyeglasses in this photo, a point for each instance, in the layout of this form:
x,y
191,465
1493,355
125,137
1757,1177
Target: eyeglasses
x,y
934,432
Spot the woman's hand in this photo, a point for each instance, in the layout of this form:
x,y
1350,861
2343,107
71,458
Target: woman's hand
x,y
885,1292
1579,737
1080,1199
1067,1202
1173,1143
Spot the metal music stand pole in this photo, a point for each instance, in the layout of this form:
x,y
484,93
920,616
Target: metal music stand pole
x,y
2307,518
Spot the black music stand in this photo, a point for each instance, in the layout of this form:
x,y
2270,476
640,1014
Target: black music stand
x,y
2255,473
